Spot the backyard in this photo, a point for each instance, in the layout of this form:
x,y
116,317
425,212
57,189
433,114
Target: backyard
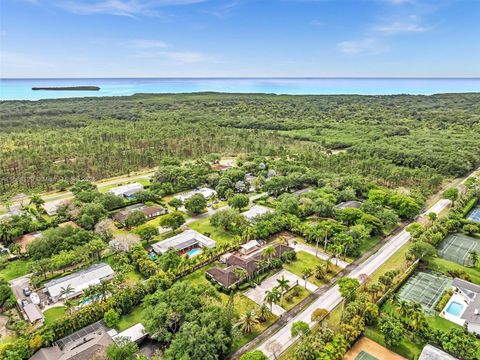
x,y
308,261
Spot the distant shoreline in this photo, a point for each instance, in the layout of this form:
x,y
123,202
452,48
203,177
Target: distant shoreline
x,y
68,88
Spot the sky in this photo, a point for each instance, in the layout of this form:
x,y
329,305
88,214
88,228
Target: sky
x,y
239,38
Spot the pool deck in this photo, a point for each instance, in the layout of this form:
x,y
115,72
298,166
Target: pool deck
x,y
372,348
453,318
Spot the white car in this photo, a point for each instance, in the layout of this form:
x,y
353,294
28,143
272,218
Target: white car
x,y
35,298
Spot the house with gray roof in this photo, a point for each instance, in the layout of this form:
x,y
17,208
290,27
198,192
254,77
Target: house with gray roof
x,y
430,352
187,240
127,191
256,210
78,281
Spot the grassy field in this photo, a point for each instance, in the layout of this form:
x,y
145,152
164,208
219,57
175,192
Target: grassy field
x,y
54,313
203,226
294,300
407,348
131,319
15,269
306,260
443,266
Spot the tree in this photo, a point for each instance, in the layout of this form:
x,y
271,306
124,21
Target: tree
x,y
240,273
135,218
124,242
459,343
263,313
319,314
451,194
147,232
104,229
306,273
122,349
37,201
254,355
170,261
65,292
111,201
248,321
82,185
175,203
239,201
271,296
299,328
422,250
473,257
392,330
173,220
348,287
195,204
268,252
111,318
228,219
283,286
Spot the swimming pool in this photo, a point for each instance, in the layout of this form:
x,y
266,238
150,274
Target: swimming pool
x,y
194,252
455,308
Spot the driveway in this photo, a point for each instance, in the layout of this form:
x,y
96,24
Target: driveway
x,y
258,293
320,254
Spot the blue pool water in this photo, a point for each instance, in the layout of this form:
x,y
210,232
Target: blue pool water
x,y
455,308
194,252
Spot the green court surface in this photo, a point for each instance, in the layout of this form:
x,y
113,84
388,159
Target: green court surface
x,y
458,247
365,356
474,215
425,288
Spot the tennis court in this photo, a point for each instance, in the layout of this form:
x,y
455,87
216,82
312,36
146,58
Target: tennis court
x,y
474,215
425,288
458,247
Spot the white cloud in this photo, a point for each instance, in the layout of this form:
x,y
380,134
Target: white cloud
x,y
145,44
363,46
130,8
398,27
186,57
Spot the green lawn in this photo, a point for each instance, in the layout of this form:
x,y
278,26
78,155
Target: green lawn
x,y
294,300
306,260
203,226
54,313
15,269
442,265
368,243
407,348
131,319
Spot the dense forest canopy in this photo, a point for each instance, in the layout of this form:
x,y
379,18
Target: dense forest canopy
x,y
402,140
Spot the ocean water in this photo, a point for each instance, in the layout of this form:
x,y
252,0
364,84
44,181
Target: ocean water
x,y
21,89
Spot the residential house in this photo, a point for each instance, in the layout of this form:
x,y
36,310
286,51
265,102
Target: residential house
x,y
430,352
226,277
206,192
349,205
51,207
256,210
150,212
127,191
78,281
184,242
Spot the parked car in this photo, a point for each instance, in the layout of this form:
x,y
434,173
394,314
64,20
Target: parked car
x,y
27,291
24,302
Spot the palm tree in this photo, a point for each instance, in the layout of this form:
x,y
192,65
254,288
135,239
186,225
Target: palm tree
x,y
268,252
283,285
337,249
105,288
263,313
271,297
248,321
404,308
473,257
66,291
240,273
417,317
36,201
70,305
319,271
306,273
328,262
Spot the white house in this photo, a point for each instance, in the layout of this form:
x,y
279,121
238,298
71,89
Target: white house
x,y
52,207
256,210
126,191
463,308
134,333
183,242
79,281
206,192
430,352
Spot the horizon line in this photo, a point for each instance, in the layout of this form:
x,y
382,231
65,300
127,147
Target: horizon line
x,y
253,77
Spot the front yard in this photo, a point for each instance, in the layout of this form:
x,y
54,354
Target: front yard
x,y
308,261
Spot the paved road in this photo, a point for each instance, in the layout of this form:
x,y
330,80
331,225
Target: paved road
x,y
330,299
